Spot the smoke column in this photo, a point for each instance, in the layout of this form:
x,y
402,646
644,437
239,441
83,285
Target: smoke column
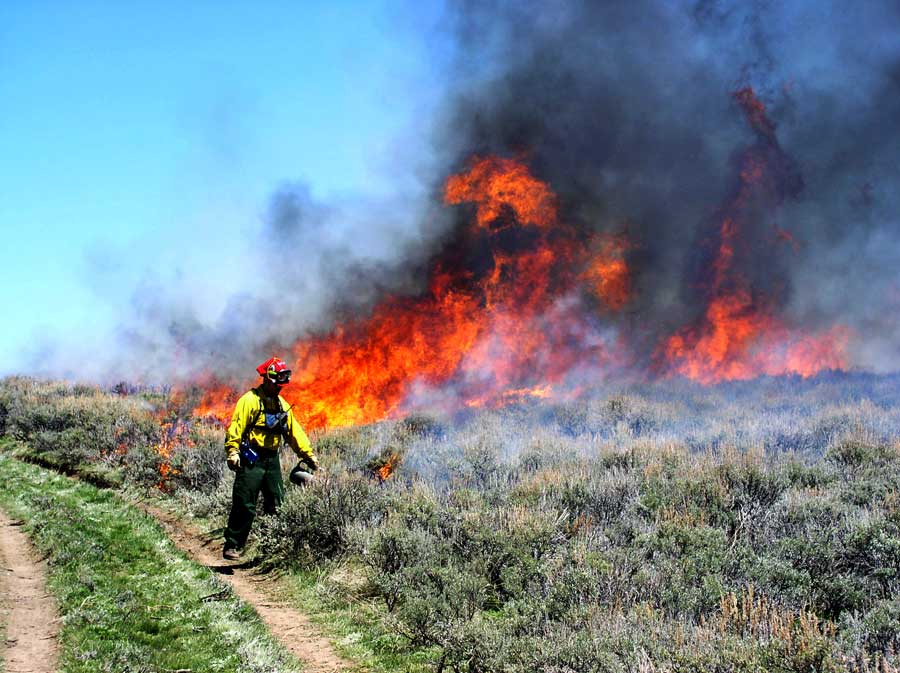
x,y
631,113
628,111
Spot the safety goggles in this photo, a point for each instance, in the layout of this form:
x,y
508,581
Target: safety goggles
x,y
281,377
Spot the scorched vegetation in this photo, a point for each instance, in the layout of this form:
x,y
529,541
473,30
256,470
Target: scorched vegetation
x,y
746,526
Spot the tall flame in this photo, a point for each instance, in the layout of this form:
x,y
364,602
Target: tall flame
x,y
739,336
493,329
517,302
494,184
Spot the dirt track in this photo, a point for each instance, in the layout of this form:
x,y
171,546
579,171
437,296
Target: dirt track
x,y
291,627
29,612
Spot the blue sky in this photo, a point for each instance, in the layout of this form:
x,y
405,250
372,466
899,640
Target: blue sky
x,y
137,137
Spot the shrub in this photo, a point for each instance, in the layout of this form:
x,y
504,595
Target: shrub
x,y
571,419
436,606
393,554
347,446
873,551
421,425
313,523
198,461
143,466
71,426
692,565
852,455
600,498
594,535
800,475
881,627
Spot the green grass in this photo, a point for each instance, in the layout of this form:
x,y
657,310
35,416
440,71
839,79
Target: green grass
x,y
129,600
358,626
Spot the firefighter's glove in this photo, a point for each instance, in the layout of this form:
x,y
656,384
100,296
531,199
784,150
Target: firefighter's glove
x,y
234,462
301,475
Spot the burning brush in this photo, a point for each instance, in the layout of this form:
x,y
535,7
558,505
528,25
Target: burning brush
x,y
384,465
522,304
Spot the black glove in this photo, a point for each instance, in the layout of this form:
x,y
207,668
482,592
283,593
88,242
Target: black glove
x,y
301,474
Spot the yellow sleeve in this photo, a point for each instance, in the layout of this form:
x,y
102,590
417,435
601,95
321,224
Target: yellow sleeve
x,y
240,419
299,441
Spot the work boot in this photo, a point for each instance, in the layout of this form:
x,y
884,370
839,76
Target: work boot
x,y
231,554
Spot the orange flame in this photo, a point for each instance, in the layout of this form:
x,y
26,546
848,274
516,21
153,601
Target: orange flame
x,y
485,330
494,184
607,274
739,336
217,402
511,396
164,449
389,467
172,430
501,320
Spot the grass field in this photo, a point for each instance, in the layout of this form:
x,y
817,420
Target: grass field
x,y
129,600
749,526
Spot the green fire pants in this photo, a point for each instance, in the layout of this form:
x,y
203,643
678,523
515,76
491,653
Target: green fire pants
x,y
265,476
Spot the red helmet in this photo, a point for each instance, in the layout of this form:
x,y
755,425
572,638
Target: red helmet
x,y
275,369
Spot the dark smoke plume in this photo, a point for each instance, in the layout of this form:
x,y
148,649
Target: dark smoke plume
x,y
629,111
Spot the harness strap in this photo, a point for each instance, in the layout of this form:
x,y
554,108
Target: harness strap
x,y
259,412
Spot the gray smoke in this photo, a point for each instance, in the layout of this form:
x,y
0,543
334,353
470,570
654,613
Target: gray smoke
x,y
308,265
627,111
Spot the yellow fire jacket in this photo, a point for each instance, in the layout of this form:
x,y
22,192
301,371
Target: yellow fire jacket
x,y
253,405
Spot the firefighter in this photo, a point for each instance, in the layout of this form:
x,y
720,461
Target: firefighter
x,y
261,421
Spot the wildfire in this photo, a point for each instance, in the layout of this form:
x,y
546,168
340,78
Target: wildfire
x,y
175,430
388,466
494,331
494,184
507,314
511,396
217,402
739,336
171,432
607,274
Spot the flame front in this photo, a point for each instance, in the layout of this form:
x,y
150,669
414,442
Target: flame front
x,y
519,302
493,333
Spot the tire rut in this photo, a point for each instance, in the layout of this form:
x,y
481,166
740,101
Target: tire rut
x,y
287,624
30,613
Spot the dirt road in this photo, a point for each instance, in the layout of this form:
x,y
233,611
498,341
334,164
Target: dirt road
x,y
29,611
291,627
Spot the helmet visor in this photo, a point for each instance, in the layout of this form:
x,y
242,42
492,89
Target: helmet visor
x,y
281,377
